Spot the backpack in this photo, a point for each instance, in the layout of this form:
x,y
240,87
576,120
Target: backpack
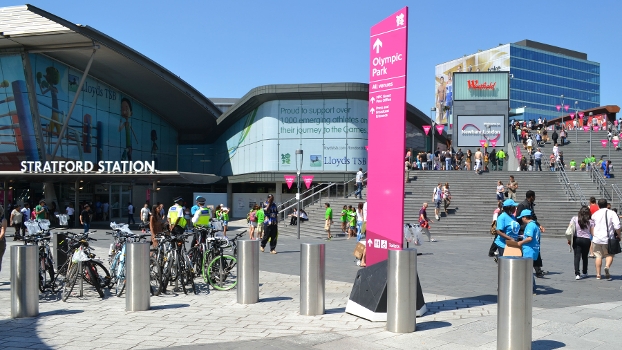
x,y
253,216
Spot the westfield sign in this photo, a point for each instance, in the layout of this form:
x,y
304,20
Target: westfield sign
x,y
475,85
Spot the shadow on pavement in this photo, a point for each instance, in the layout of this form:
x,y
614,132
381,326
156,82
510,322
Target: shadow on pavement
x,y
267,300
460,303
429,325
544,290
60,313
337,310
547,345
169,306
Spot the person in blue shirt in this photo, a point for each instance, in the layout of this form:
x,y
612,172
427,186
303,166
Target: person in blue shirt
x,y
530,245
507,227
196,207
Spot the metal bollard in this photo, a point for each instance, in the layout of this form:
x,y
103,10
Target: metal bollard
x,y
24,281
137,282
514,303
59,247
248,271
312,279
402,291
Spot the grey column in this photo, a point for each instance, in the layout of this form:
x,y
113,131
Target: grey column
x,y
248,271
402,291
312,279
137,283
24,281
514,303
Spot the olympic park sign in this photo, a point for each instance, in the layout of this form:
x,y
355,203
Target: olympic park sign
x,y
85,167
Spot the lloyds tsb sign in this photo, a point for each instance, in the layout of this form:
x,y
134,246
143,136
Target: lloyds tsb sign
x,y
85,167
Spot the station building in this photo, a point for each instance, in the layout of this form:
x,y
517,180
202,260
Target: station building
x,y
85,118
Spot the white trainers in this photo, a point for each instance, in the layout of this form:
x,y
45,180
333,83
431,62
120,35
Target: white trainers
x,y
577,277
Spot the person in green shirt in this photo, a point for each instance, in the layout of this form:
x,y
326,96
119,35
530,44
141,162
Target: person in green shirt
x,y
351,222
344,213
500,158
328,216
261,217
573,165
40,210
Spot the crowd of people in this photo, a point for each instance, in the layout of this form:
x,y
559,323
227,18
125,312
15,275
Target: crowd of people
x,y
478,161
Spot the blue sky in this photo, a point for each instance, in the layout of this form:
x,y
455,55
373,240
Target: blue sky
x,y
225,48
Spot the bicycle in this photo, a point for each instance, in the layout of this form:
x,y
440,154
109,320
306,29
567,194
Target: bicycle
x,y
117,253
177,266
82,264
220,272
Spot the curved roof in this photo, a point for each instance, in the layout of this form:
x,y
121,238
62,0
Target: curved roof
x,y
262,94
27,28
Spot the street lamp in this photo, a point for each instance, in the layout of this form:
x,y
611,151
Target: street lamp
x,y
298,169
588,119
432,112
576,108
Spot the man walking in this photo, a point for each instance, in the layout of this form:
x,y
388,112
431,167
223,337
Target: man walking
x,y
270,225
359,184
85,218
328,217
512,187
606,225
437,197
478,162
130,213
538,158
144,214
530,197
500,158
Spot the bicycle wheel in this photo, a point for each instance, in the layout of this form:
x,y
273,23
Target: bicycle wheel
x,y
93,277
155,271
103,276
42,276
208,256
70,280
222,274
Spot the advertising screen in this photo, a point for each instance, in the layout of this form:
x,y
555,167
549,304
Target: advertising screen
x,y
493,60
472,129
481,86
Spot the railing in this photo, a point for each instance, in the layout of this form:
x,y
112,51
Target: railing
x,y
616,191
579,194
302,195
563,179
345,185
599,179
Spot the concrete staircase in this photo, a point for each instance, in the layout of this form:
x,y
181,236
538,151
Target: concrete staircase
x,y
472,206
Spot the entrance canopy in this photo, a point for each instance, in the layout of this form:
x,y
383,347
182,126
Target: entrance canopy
x,y
169,177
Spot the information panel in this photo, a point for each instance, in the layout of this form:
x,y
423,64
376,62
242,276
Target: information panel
x,y
388,46
472,129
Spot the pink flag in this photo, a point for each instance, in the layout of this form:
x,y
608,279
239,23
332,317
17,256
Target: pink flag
x,y
572,115
604,143
493,143
289,180
518,153
595,128
586,128
440,129
615,142
427,128
581,114
482,142
308,179
566,107
558,107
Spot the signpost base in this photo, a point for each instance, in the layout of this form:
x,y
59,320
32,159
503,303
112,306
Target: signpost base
x,y
368,298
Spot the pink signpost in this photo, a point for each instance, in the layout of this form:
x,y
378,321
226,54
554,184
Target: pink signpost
x,y
388,44
308,180
289,180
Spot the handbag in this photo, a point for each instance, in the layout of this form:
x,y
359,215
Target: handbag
x,y
571,231
613,243
493,228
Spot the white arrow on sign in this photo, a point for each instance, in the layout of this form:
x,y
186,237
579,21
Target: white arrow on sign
x,y
370,242
377,45
372,110
373,100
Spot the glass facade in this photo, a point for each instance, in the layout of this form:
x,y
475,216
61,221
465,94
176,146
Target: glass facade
x,y
541,77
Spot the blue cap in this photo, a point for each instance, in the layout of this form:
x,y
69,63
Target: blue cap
x,y
525,212
200,199
509,203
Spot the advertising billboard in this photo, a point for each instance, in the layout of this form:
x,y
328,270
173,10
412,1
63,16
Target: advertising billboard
x,y
472,129
105,124
493,60
481,86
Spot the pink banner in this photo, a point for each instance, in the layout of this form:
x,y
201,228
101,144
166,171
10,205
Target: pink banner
x,y
518,153
289,180
595,128
388,45
427,128
615,143
566,107
493,143
482,143
572,116
581,114
440,129
586,128
558,107
604,143
307,179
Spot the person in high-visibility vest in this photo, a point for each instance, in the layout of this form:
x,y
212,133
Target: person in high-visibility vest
x,y
203,214
176,220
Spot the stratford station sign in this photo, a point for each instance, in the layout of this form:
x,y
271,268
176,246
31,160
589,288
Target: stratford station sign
x,y
86,167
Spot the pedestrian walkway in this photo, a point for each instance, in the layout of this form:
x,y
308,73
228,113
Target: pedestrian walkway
x,y
462,309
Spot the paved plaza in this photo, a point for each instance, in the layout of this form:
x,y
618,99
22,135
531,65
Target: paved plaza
x,y
458,280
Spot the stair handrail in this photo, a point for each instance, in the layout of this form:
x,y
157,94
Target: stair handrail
x,y
563,180
599,179
345,185
618,193
308,203
302,194
580,194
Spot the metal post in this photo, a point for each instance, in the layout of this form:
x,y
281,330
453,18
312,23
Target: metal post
x,y
402,291
24,281
80,273
312,279
298,152
248,271
77,210
589,122
514,303
137,282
